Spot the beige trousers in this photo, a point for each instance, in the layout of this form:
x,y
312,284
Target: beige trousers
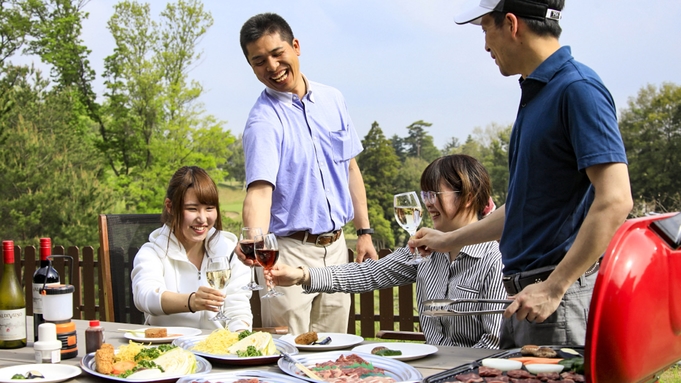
x,y
307,312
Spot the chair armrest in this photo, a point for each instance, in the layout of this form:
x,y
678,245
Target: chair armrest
x,y
281,330
401,335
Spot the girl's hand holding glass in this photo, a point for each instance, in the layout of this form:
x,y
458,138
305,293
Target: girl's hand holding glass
x,y
218,273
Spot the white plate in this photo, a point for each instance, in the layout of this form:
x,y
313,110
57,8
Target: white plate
x,y
188,343
339,341
231,376
88,365
395,369
410,351
52,372
173,333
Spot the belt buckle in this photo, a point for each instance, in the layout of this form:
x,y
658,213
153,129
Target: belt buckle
x,y
325,236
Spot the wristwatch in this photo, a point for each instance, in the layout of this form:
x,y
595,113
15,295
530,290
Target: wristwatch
x,y
365,231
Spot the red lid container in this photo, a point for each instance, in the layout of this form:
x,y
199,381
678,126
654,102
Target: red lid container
x,y
634,328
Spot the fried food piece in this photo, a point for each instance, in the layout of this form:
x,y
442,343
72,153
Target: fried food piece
x,y
156,332
104,359
306,338
545,352
529,350
375,350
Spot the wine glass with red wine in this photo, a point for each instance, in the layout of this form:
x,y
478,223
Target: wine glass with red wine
x,y
267,253
247,245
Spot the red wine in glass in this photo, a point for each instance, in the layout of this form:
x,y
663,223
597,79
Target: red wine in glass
x,y
267,257
248,248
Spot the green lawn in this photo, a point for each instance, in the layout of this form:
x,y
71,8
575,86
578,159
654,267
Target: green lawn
x,y
231,199
673,375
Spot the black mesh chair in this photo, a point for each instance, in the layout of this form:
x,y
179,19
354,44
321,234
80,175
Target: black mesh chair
x,y
120,237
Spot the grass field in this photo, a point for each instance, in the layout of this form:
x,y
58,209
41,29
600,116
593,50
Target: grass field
x,y
231,199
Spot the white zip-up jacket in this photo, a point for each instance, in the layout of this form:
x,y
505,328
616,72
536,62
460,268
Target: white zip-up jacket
x,y
162,265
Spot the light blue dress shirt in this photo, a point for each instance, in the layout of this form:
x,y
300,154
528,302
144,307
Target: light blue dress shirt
x,y
303,147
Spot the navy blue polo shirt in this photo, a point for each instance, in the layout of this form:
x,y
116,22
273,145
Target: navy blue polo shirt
x,y
566,122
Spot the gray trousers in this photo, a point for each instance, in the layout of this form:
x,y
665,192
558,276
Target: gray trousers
x,y
566,326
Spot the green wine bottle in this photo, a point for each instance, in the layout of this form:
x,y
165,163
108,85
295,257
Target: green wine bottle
x,y
12,303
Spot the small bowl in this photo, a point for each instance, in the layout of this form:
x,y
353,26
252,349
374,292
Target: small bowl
x,y
536,368
502,364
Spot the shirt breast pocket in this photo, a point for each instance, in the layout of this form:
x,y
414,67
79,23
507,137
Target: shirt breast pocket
x,y
465,292
341,145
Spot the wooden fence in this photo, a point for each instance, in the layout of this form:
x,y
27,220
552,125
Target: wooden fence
x,y
386,309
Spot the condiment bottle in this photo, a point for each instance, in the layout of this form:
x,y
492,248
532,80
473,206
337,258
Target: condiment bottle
x,y
12,303
94,337
47,348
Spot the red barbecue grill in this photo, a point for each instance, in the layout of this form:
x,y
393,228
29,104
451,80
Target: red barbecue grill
x,y
634,329
635,316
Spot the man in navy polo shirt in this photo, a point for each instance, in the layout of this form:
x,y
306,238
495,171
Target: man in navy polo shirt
x,y
569,187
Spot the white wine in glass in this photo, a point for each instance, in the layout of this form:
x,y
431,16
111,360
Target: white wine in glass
x,y
218,273
408,215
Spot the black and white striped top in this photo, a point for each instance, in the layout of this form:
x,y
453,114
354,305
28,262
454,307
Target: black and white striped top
x,y
475,273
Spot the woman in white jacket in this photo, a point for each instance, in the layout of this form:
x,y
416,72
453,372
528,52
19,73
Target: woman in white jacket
x,y
169,275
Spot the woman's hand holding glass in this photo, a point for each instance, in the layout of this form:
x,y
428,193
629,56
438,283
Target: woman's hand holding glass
x,y
408,214
267,254
218,273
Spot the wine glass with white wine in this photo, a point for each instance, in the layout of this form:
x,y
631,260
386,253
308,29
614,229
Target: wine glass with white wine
x,y
408,215
218,273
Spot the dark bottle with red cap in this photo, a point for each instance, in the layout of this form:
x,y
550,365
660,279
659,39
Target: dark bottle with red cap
x,y
47,275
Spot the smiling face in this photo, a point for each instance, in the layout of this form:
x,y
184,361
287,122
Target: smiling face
x,y
197,220
444,212
275,63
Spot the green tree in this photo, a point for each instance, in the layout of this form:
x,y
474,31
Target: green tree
x,y
651,130
380,167
496,163
419,143
155,122
49,178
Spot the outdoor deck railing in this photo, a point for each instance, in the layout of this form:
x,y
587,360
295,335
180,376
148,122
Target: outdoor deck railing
x,y
386,309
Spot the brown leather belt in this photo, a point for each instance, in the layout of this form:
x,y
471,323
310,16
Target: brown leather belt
x,y
324,239
515,283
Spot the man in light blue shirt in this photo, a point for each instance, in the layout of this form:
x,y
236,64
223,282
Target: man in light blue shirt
x,y
303,182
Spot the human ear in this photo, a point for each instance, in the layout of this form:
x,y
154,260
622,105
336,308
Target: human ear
x,y
168,205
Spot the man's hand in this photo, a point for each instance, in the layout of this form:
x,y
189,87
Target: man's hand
x,y
535,303
365,249
242,257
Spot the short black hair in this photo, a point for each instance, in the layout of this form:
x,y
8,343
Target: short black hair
x,y
545,27
261,25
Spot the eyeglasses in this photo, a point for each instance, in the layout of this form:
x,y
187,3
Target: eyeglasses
x,y
429,196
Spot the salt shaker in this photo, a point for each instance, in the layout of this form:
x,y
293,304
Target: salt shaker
x,y
47,348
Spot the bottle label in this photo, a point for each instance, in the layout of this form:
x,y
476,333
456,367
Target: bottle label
x,y
37,298
13,324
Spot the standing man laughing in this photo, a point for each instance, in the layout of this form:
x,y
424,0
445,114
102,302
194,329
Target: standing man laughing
x,y
302,178
568,188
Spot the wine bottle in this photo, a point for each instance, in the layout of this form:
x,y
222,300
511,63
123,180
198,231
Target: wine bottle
x,y
47,275
12,303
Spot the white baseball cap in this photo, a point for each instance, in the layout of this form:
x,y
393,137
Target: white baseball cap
x,y
476,9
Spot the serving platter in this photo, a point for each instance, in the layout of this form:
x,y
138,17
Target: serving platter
x,y
88,365
395,369
339,341
410,351
224,377
173,333
53,373
188,344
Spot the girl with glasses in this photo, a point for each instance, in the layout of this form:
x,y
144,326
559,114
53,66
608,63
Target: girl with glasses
x,y
456,192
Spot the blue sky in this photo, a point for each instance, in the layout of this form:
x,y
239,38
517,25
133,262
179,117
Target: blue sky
x,y
399,61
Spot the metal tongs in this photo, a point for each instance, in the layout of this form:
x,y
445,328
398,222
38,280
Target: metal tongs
x,y
440,310
300,366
